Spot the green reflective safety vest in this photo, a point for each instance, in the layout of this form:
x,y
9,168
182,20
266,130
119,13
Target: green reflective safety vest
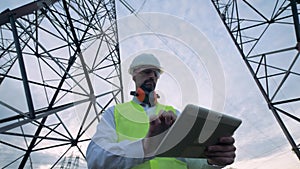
x,y
132,123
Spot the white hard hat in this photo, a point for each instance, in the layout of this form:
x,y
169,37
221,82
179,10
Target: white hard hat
x,y
144,61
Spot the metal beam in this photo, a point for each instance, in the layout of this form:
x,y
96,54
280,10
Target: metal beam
x,y
24,10
295,19
22,68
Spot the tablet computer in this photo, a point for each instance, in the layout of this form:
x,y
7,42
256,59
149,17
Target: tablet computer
x,y
195,129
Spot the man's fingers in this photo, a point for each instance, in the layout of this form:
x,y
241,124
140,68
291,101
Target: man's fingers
x,y
167,117
226,140
223,153
221,161
161,122
154,120
229,154
222,157
221,148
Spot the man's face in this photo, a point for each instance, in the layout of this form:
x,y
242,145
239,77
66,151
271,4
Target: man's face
x,y
147,78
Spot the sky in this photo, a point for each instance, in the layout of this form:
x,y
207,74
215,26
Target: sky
x,y
196,33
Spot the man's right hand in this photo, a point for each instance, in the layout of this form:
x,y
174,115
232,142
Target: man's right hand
x,y
158,124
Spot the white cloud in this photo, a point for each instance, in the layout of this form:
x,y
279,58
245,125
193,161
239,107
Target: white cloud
x,y
284,158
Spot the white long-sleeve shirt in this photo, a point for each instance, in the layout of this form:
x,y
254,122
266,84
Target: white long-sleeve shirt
x,y
105,152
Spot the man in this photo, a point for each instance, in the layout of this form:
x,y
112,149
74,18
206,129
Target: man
x,y
128,132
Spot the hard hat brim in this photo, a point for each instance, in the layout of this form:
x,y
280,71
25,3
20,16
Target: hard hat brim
x,y
144,67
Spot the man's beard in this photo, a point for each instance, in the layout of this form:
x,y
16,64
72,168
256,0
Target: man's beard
x,y
148,88
149,92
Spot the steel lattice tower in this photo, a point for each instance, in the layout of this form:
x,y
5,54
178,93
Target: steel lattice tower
x,y
59,69
267,37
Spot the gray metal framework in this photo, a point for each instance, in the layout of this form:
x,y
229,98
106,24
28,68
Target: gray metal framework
x,y
59,69
267,36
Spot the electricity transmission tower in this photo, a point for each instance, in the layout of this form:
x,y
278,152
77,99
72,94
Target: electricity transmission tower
x,y
59,69
70,162
267,35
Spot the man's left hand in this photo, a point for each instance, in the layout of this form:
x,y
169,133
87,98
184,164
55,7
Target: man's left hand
x,y
223,153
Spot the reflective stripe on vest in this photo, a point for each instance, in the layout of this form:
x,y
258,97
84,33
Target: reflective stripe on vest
x,y
132,123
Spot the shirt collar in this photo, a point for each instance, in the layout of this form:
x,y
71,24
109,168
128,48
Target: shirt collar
x,y
139,102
